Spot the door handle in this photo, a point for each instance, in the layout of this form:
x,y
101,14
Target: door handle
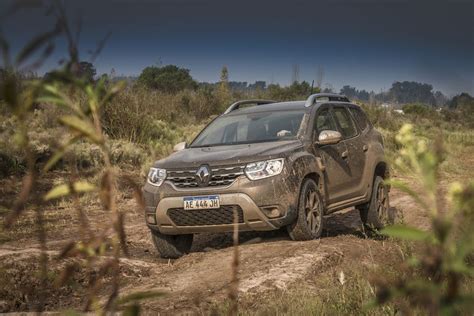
x,y
344,154
365,148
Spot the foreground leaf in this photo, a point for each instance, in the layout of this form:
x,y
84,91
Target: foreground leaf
x,y
34,45
65,189
132,310
81,126
138,296
59,154
405,233
405,188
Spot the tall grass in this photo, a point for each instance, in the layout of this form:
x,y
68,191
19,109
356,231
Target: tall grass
x,y
434,278
80,102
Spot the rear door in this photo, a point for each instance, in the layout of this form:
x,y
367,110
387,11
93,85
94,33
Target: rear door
x,y
361,147
337,174
356,147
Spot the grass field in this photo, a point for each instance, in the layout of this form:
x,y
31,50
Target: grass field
x,y
335,275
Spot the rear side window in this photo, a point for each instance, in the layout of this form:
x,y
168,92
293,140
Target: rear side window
x,y
360,117
347,125
324,121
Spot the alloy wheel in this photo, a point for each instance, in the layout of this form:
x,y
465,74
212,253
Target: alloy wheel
x,y
313,210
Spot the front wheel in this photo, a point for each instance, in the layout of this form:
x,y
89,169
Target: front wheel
x,y
172,246
309,223
377,213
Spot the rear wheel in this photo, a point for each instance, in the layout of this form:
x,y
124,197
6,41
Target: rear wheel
x,y
377,213
309,223
172,246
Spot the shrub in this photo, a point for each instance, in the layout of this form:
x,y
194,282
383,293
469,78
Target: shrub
x,y
169,78
134,113
296,91
418,109
383,118
9,165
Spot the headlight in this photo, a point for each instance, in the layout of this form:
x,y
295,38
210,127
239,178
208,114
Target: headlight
x,y
264,169
156,176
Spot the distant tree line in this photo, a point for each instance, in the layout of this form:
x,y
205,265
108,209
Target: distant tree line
x,y
239,86
171,79
353,93
400,93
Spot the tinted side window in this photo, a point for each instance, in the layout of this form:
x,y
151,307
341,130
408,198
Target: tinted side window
x,y
360,117
345,121
324,121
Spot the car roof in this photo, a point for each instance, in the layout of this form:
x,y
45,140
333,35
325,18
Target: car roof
x,y
277,106
282,106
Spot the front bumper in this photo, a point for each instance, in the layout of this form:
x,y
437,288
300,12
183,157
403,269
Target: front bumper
x,y
250,198
253,217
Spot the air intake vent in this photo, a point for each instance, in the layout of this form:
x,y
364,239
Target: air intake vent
x,y
221,216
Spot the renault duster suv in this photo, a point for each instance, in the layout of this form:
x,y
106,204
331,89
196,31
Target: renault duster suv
x,y
272,165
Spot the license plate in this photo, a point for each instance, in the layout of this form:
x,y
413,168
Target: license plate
x,y
201,202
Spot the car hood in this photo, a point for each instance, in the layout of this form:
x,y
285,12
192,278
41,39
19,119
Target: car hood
x,y
232,154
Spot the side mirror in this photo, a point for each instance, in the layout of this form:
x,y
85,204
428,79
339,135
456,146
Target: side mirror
x,y
180,146
329,137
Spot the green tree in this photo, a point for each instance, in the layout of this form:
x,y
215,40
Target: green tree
x,y
440,98
83,70
224,94
224,81
297,90
300,90
169,78
258,85
224,75
412,92
462,101
463,105
349,91
86,71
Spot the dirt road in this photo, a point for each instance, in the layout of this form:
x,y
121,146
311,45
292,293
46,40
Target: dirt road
x,y
268,262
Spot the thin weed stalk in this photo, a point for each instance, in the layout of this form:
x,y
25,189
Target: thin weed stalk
x,y
234,282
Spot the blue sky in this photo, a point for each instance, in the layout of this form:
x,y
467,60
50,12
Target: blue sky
x,y
367,44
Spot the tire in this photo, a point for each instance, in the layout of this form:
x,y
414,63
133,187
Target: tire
x,y
172,246
377,213
309,222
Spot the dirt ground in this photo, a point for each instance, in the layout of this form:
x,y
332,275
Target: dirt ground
x,y
269,261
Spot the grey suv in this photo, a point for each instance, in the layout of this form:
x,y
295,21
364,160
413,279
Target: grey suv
x,y
272,165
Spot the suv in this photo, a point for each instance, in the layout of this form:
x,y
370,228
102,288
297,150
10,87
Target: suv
x,y
267,166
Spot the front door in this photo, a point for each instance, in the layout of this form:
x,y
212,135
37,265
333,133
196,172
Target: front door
x,y
355,149
337,174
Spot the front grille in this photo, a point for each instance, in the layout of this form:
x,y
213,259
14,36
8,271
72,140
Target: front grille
x,y
220,176
219,216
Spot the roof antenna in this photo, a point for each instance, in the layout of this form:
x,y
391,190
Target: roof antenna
x,y
312,85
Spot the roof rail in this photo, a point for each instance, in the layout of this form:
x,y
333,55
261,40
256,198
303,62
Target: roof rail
x,y
236,105
331,96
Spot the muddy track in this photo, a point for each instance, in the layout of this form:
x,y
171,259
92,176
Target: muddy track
x,y
268,261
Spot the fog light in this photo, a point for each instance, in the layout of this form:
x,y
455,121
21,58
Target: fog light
x,y
271,212
150,219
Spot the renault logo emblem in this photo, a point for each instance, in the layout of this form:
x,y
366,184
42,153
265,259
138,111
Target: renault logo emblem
x,y
203,176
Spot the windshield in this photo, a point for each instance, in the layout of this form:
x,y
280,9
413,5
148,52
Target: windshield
x,y
251,128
